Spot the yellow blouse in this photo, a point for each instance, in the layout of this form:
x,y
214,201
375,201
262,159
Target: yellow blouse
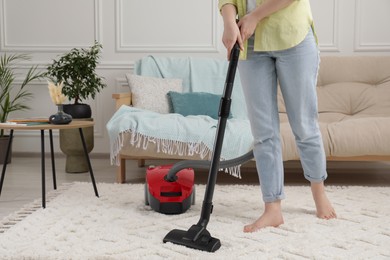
x,y
281,30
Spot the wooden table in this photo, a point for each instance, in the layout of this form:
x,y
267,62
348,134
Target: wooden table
x,y
42,127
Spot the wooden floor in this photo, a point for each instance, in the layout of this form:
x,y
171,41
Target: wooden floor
x,y
22,183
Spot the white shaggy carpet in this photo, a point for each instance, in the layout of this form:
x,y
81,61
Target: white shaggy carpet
x,y
78,225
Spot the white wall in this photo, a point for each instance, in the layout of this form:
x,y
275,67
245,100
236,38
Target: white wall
x,y
131,29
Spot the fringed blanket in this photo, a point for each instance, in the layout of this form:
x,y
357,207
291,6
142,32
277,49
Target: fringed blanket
x,y
175,134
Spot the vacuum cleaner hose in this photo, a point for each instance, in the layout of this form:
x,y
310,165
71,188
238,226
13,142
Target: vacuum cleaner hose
x,y
171,175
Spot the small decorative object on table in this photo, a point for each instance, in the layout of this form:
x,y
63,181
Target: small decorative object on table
x,y
59,118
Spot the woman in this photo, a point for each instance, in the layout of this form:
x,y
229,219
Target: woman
x,y
278,45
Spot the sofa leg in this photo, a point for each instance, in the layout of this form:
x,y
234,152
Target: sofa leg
x,y
121,171
141,163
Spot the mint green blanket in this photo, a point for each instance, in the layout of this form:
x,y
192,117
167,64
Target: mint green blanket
x,y
175,134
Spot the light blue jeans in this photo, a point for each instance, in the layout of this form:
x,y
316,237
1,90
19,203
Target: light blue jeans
x,y
296,71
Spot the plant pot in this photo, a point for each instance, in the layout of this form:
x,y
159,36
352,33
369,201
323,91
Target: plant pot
x,y
3,149
78,110
70,141
72,147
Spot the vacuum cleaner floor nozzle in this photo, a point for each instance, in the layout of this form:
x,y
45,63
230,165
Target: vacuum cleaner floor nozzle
x,y
204,241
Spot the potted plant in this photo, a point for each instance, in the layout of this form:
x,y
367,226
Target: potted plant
x,y
76,70
13,96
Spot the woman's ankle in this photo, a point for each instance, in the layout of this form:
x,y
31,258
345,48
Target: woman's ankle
x,y
317,187
275,206
324,208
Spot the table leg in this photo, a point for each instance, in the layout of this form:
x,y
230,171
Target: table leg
x,y
53,165
88,161
7,154
43,168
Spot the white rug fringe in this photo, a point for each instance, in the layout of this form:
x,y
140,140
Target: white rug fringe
x,y
26,210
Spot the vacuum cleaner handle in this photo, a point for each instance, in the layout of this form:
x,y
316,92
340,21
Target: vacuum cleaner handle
x,y
224,111
197,236
231,73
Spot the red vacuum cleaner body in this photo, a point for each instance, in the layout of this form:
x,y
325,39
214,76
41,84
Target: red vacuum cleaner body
x,y
169,197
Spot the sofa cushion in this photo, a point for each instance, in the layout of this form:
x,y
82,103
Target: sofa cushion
x,y
150,93
357,86
354,101
195,103
360,136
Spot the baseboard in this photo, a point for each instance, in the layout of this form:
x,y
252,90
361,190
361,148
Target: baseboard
x,y
59,155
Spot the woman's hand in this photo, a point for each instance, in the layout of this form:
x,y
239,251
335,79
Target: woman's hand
x,y
231,35
231,32
247,25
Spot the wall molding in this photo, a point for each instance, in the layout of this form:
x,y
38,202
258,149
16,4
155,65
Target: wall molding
x,y
122,47
334,45
359,45
105,65
116,65
98,105
4,46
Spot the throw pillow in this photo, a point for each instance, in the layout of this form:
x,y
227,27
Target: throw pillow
x,y
195,103
150,93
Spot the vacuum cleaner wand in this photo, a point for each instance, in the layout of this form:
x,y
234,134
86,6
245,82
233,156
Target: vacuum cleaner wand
x,y
197,236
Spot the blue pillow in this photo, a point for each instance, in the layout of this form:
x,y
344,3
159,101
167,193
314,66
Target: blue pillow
x,y
195,103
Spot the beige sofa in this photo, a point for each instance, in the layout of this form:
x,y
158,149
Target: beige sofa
x,y
354,114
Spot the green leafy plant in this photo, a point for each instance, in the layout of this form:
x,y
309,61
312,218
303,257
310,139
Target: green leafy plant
x,y
76,69
13,96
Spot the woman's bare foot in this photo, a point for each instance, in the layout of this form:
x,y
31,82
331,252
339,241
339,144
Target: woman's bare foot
x,y
324,208
272,217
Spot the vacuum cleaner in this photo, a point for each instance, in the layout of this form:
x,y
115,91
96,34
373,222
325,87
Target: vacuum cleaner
x,y
169,197
169,189
197,236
